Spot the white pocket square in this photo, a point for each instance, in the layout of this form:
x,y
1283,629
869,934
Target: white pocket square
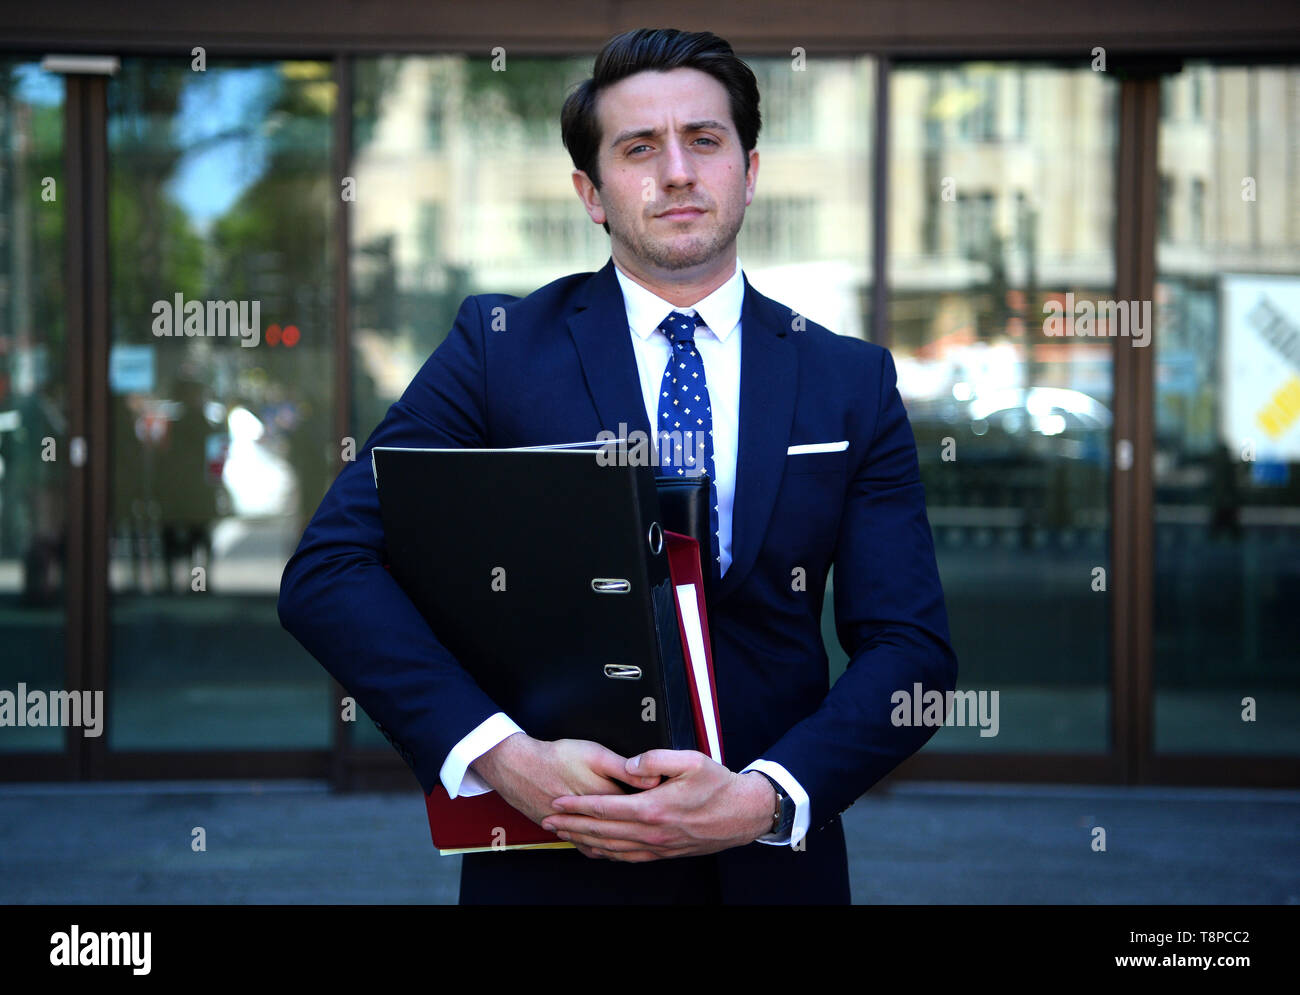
x,y
818,447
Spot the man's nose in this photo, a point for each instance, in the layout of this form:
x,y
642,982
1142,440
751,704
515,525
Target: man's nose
x,y
679,167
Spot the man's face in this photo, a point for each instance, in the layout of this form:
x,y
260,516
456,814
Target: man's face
x,y
668,144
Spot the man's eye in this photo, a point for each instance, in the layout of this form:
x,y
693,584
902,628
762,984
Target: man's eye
x,y
702,138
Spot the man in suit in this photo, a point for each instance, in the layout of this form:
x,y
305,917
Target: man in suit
x,y
813,464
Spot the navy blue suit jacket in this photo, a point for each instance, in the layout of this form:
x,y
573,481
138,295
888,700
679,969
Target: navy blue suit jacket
x,y
558,366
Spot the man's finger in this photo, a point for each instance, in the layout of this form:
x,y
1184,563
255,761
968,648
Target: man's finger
x,y
614,766
628,856
669,763
605,844
618,808
598,829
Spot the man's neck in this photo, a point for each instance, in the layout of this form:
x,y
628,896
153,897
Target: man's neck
x,y
685,289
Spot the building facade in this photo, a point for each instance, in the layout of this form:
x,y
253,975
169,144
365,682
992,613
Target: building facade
x,y
227,244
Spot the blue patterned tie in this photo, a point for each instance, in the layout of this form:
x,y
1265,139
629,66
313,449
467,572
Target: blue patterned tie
x,y
685,431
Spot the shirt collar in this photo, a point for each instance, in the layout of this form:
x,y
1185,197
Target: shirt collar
x,y
720,310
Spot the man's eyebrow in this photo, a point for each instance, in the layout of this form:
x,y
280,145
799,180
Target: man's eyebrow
x,y
656,132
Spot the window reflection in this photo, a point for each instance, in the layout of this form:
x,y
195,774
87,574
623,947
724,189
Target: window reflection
x,y
1227,412
33,393
1001,204
484,203
220,219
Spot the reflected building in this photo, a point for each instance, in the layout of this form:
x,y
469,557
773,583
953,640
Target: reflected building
x,y
1001,204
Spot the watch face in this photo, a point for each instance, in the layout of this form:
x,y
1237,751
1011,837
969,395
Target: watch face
x,y
787,814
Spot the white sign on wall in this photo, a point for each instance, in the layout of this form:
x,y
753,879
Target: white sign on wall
x,y
1260,366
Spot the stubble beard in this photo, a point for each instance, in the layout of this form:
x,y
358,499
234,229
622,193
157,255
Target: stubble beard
x,y
669,253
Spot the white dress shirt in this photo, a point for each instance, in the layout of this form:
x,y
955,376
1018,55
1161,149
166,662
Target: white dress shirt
x,y
718,343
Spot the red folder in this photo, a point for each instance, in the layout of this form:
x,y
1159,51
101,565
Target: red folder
x,y
487,822
688,582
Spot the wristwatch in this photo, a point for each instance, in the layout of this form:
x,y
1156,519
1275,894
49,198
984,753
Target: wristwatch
x,y
783,817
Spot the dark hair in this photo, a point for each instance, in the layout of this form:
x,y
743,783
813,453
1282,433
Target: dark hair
x,y
658,49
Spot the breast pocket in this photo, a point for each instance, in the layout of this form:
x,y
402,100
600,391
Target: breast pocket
x,y
832,462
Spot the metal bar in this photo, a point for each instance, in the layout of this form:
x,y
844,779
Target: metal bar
x,y
1146,166
74,242
1131,584
1121,531
98,424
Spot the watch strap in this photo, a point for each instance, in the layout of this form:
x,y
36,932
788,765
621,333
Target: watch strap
x,y
783,817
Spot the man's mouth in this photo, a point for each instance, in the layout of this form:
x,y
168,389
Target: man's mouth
x,y
682,213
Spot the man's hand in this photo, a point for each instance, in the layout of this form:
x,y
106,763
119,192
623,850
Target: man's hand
x,y
530,773
702,808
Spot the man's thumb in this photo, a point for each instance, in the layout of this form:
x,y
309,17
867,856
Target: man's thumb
x,y
654,763
636,766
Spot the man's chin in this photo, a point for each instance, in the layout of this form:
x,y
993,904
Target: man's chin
x,y
695,253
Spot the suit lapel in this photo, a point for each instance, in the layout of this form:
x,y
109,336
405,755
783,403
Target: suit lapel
x,y
604,345
769,376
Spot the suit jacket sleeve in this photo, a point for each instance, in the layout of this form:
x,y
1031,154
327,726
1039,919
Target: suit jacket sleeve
x,y
889,614
339,601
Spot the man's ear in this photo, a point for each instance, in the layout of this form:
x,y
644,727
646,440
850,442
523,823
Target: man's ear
x,y
589,196
751,176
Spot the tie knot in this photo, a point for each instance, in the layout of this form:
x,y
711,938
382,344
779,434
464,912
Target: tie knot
x,y
680,327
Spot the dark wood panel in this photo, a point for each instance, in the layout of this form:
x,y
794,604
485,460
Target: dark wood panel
x,y
1059,768
1239,771
98,411
1131,589
216,764
1229,771
900,27
74,310
39,766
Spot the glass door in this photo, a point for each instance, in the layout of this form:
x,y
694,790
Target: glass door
x,y
1227,413
35,448
221,395
1002,207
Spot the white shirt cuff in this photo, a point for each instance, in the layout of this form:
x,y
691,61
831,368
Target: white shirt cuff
x,y
796,792
455,774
